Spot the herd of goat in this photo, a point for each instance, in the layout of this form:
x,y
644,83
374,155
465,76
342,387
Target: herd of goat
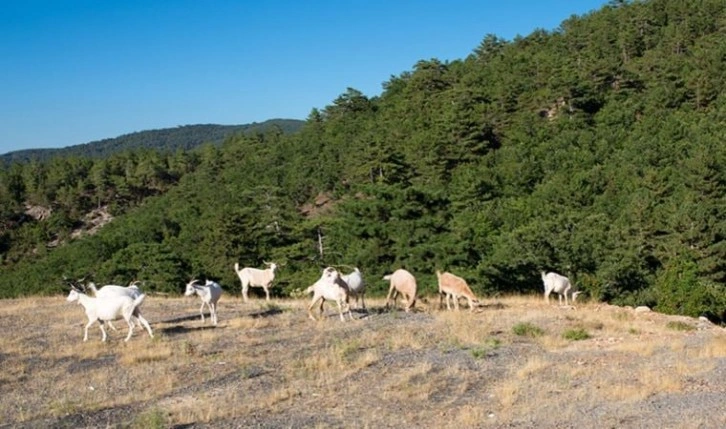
x,y
112,302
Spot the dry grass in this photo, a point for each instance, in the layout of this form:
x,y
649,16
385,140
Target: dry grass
x,y
271,366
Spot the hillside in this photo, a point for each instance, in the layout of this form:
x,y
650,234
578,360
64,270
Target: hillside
x,y
594,150
515,362
184,137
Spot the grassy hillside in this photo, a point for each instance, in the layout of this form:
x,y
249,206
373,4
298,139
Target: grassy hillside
x,y
515,362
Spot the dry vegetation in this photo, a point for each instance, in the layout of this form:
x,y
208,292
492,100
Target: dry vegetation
x,y
515,362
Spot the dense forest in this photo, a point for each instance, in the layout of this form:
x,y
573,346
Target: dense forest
x,y
595,150
167,139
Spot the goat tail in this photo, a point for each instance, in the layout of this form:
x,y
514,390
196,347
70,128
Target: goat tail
x,y
310,290
387,277
93,288
236,267
139,299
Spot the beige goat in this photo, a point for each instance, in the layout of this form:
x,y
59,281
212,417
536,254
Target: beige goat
x,y
256,278
404,283
454,287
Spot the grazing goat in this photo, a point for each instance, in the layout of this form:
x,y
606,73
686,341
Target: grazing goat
x,y
109,308
256,278
560,285
356,286
454,287
404,283
209,293
332,288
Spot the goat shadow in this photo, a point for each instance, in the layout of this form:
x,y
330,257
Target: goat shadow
x,y
187,318
266,313
182,329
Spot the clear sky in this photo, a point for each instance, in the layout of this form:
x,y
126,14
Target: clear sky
x,y
75,71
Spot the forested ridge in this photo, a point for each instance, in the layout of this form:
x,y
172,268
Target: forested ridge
x,y
183,137
594,150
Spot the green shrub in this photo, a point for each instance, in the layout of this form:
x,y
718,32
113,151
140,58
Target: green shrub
x,y
576,334
527,329
489,345
150,419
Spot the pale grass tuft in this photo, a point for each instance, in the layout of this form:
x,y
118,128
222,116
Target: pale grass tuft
x,y
641,347
507,394
552,342
532,366
463,328
641,385
137,352
468,416
414,383
508,391
714,348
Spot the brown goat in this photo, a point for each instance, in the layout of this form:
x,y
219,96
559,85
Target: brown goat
x,y
452,286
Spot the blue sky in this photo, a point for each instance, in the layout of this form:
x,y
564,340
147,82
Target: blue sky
x,y
72,72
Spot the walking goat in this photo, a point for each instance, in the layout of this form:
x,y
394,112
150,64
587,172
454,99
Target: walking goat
x,y
210,292
109,308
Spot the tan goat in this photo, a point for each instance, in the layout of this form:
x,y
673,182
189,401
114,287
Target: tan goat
x,y
404,283
454,287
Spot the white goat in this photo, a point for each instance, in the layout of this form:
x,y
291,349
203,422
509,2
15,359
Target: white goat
x,y
332,288
114,290
256,278
109,308
454,287
132,291
356,286
404,283
560,285
209,293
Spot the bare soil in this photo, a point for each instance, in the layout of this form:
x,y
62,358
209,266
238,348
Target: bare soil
x,y
515,362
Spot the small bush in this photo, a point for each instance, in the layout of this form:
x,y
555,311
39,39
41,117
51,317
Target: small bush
x,y
680,326
527,329
575,334
489,345
150,419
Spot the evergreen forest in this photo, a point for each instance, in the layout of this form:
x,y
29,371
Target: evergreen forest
x,y
595,150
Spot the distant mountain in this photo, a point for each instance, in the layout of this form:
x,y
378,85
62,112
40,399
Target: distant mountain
x,y
171,139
